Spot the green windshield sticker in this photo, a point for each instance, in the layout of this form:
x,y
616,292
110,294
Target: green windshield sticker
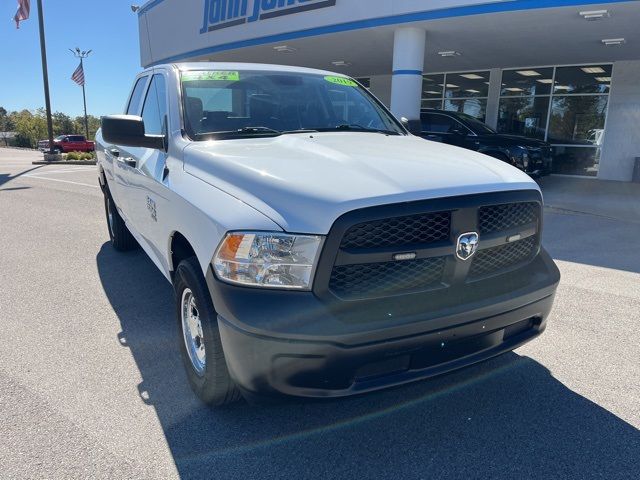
x,y
215,75
341,81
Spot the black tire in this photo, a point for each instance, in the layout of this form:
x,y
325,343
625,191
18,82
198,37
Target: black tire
x,y
120,236
213,385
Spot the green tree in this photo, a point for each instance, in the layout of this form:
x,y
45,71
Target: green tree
x,y
30,127
94,125
6,123
62,124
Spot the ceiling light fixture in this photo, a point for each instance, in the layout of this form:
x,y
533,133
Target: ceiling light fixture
x,y
592,15
471,90
592,69
451,85
544,80
562,87
284,49
433,92
613,42
449,53
472,76
514,89
528,73
603,79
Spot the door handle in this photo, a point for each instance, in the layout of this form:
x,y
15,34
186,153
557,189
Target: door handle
x,y
115,152
130,162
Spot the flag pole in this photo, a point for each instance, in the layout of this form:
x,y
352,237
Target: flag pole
x,y
84,100
82,54
45,75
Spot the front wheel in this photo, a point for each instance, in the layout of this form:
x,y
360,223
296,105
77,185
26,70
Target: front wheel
x,y
199,338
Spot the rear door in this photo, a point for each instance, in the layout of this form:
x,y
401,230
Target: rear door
x,y
117,156
146,191
77,143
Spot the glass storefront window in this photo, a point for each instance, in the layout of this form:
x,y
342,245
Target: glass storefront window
x,y
565,106
437,104
576,160
476,107
524,116
464,92
432,86
467,85
527,82
578,119
586,79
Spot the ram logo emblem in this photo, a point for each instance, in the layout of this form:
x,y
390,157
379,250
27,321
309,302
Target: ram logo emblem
x,y
467,245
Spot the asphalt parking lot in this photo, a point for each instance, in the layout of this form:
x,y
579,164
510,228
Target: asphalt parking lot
x,y
91,384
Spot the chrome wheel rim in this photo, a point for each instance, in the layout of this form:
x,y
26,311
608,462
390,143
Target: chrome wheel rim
x,y
192,332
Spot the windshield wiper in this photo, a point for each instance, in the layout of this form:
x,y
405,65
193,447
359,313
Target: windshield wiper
x,y
354,127
302,130
247,131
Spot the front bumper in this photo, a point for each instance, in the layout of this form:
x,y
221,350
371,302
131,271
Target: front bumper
x,y
295,344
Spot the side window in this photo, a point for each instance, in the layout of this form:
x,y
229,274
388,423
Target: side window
x,y
435,123
136,97
155,106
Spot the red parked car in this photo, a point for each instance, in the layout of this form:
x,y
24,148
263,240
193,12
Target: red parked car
x,y
68,143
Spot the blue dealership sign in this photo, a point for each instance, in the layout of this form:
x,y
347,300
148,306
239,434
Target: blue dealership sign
x,y
229,13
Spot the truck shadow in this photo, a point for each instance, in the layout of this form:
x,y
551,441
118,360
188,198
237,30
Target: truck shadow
x,y
506,418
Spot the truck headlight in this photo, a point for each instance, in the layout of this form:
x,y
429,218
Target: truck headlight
x,y
268,259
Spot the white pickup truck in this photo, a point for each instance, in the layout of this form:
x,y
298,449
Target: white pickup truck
x,y
316,247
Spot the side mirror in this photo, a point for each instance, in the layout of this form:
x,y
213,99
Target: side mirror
x,y
128,131
414,126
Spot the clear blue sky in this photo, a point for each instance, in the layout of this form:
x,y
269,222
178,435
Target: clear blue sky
x,y
109,27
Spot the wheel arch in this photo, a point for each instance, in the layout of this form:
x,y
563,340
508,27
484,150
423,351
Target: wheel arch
x,y
179,249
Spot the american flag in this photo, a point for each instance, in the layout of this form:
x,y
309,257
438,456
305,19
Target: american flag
x,y
23,12
78,75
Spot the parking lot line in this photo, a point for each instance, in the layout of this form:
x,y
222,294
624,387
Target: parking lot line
x,y
59,180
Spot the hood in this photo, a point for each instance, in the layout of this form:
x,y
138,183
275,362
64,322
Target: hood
x,y
304,182
514,140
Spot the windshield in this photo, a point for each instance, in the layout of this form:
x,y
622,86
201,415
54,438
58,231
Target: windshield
x,y
227,104
476,125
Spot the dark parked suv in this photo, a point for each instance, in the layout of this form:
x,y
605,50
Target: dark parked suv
x,y
462,130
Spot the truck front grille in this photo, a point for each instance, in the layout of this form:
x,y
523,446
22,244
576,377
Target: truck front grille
x,y
488,262
495,218
384,279
399,231
409,248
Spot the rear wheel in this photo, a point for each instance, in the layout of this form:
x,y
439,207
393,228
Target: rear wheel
x,y
120,236
199,338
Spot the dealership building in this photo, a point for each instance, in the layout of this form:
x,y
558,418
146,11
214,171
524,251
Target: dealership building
x,y
564,71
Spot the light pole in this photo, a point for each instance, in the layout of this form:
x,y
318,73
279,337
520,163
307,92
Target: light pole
x,y
82,54
45,75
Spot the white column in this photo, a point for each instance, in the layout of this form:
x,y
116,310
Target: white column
x,y
622,136
408,64
493,102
